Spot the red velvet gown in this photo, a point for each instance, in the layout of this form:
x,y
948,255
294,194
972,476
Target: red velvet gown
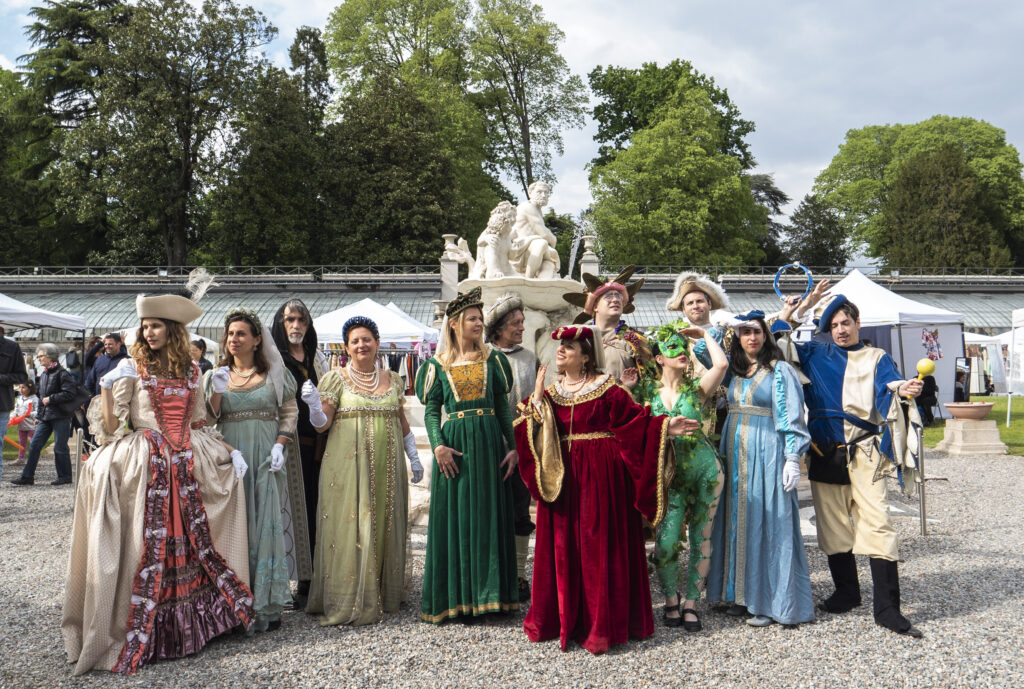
x,y
590,581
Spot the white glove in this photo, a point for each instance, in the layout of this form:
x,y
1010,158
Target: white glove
x,y
125,369
238,461
220,379
311,396
791,474
414,457
277,457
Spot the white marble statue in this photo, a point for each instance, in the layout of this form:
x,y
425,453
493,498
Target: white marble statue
x,y
533,253
492,248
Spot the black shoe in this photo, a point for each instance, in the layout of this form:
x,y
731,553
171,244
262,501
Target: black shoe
x,y
736,610
274,625
690,625
846,597
60,482
22,481
524,590
672,621
886,598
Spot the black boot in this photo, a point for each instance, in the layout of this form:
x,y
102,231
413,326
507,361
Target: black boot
x,y
886,579
844,575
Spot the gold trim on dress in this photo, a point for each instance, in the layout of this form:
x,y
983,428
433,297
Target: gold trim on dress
x,y
470,413
474,609
562,401
588,436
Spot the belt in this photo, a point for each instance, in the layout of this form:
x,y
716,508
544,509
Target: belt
x,y
470,413
588,436
248,414
752,410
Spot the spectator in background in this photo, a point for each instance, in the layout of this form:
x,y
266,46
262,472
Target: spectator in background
x,y
56,388
12,372
74,361
960,387
93,349
198,349
113,352
26,407
30,367
928,398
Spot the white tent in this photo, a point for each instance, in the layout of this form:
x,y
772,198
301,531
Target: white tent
x,y
395,326
991,348
17,315
1015,357
911,328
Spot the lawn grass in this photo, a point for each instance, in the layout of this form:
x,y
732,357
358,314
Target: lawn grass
x,y
10,451
1012,436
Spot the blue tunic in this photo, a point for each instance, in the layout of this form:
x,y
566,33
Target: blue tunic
x,y
757,556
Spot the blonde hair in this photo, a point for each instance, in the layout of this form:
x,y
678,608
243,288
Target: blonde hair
x,y
453,341
179,357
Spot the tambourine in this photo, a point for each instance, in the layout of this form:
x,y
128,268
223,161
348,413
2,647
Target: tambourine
x,y
783,269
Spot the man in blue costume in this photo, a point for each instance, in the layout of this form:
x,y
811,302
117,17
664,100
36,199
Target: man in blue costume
x,y
853,397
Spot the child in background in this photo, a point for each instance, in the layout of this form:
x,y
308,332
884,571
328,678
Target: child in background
x,y
26,406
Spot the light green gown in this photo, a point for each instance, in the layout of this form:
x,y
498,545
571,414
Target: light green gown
x,y
363,513
250,421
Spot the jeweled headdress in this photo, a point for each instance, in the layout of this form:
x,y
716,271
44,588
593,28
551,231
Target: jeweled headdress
x,y
248,314
359,322
464,301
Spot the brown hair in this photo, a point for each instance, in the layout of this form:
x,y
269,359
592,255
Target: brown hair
x,y
258,359
31,387
179,358
587,350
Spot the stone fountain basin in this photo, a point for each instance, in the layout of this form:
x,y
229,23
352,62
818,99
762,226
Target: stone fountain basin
x,y
974,411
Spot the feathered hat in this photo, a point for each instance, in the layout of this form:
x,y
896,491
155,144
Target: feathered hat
x,y
174,307
695,282
595,287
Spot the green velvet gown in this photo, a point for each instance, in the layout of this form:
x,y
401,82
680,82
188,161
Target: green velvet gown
x,y
471,554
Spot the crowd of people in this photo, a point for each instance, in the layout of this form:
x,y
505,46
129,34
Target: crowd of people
x,y
215,500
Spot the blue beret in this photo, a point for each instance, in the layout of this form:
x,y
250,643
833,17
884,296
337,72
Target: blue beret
x,y
825,322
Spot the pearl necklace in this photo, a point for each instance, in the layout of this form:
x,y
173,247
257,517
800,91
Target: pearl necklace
x,y
244,376
367,382
574,387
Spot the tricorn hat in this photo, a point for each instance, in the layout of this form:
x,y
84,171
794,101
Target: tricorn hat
x,y
695,282
168,307
595,287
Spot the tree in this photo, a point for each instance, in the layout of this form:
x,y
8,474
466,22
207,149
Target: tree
x,y
857,182
391,183
526,91
308,58
171,80
673,196
815,237
771,199
938,213
630,100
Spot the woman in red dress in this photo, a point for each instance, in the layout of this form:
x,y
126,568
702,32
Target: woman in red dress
x,y
596,462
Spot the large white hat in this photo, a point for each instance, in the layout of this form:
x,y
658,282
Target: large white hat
x,y
168,307
695,282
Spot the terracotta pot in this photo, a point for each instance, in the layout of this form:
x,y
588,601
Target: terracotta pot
x,y
974,411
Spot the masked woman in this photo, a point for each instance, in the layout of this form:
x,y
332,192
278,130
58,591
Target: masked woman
x,y
470,566
251,397
597,463
159,533
693,494
359,558
757,558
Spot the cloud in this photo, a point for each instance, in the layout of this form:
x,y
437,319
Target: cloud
x,y
6,62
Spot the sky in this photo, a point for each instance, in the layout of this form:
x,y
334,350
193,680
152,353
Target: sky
x,y
804,72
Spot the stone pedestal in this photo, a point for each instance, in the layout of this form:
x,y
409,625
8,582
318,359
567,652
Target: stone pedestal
x,y
970,438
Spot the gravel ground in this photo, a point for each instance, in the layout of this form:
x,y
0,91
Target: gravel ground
x,y
963,586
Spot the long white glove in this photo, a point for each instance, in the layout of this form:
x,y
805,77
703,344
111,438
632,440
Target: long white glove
x,y
311,396
277,457
220,379
125,369
414,457
238,461
791,473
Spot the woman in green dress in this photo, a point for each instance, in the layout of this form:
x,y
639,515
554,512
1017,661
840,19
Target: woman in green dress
x,y
363,510
470,566
251,398
693,495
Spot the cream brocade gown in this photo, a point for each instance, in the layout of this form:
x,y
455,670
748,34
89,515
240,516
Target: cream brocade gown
x,y
359,559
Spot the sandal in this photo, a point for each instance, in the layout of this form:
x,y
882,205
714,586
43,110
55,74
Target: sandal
x,y
689,625
673,621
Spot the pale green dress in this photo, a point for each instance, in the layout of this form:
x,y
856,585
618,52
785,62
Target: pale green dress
x,y
363,513
250,421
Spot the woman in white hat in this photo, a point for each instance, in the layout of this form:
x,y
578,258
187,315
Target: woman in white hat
x,y
158,562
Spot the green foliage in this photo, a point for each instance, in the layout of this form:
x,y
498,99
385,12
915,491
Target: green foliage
x,y
860,177
308,57
564,227
526,91
938,213
170,81
391,184
632,98
771,199
673,196
815,237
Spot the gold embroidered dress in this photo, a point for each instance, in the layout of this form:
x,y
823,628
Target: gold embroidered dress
x,y
363,509
471,555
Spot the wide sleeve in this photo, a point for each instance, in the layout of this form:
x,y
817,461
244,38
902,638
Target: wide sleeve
x,y
207,387
540,451
700,347
887,382
501,378
288,412
788,411
430,393
123,391
645,449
